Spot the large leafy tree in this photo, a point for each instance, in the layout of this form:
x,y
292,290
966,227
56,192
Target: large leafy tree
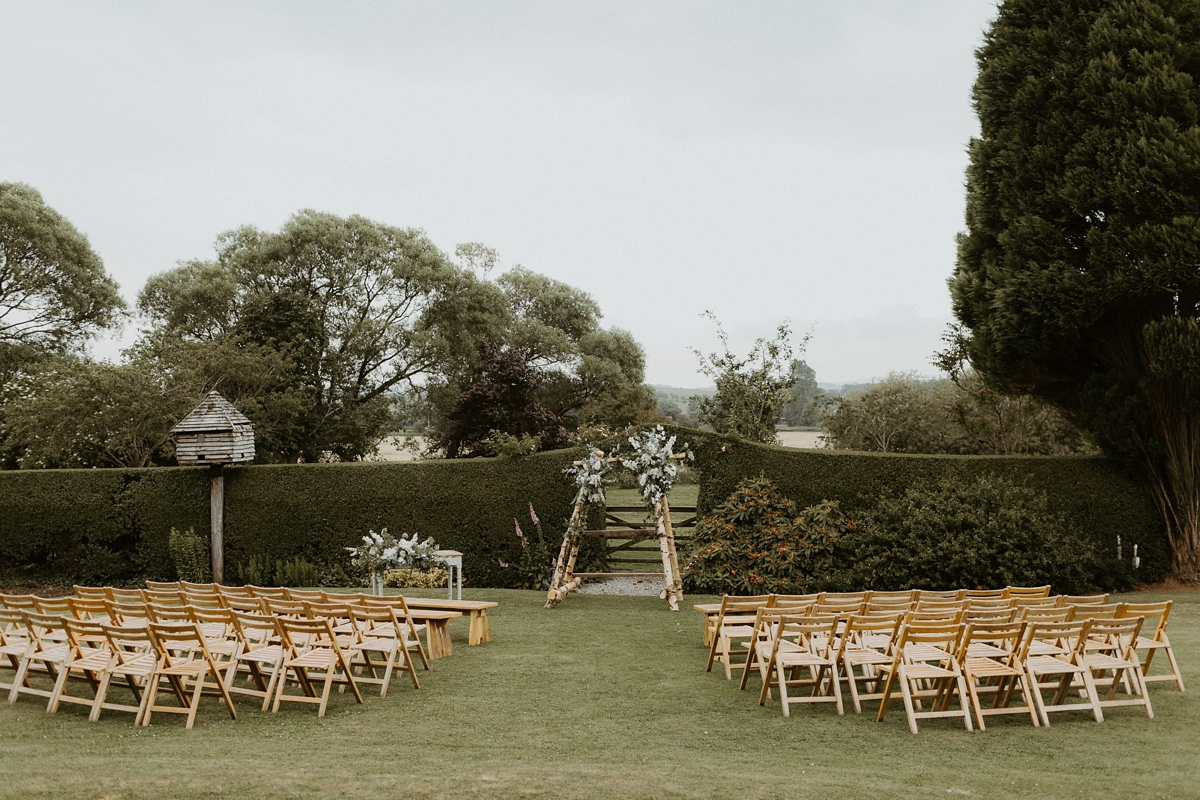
x,y
357,308
54,292
1078,278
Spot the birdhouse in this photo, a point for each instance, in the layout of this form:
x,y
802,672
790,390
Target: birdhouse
x,y
214,433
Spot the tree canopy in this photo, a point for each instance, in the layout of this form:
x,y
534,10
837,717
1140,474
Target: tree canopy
x,y
1077,277
54,292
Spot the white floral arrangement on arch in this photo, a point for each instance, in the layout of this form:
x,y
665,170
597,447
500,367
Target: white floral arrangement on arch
x,y
590,475
655,462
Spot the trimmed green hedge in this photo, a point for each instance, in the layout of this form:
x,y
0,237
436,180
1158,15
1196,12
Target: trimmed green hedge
x,y
112,526
1094,492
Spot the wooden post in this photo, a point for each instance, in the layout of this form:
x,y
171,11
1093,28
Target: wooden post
x,y
216,508
566,552
666,546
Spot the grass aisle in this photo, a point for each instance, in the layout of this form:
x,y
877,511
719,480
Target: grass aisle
x,y
603,697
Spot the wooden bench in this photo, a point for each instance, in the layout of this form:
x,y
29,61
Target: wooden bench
x,y
480,632
437,630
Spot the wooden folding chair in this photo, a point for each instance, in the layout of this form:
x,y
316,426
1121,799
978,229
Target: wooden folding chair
x,y
164,586
47,651
285,608
1061,656
1031,592
759,646
775,600
90,592
200,599
164,597
260,652
1096,611
874,606
14,642
973,614
310,644
379,631
168,613
182,655
1033,614
814,650
233,591
735,622
952,614
842,598
208,588
1118,663
990,652
941,605
867,643
90,610
132,658
124,595
1155,615
926,653
249,605
1034,602
88,659
128,615
403,616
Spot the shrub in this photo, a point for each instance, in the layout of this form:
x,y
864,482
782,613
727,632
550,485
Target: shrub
x,y
756,542
296,572
191,555
432,578
256,571
986,533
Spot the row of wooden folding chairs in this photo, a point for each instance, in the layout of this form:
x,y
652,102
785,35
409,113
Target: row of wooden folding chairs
x,y
273,650
937,660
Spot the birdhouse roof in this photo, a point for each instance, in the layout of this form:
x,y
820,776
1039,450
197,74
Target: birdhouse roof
x,y
214,415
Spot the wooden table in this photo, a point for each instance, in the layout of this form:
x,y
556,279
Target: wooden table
x,y
481,631
437,631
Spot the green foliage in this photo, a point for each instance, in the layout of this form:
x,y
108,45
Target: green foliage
x,y
802,411
1076,277
957,534
752,392
756,542
535,567
959,415
1095,492
505,444
296,572
432,578
54,292
53,521
191,555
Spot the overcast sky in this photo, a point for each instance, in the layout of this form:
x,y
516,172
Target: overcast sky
x,y
798,160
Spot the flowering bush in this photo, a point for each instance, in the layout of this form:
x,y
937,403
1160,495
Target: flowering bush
x,y
536,564
433,578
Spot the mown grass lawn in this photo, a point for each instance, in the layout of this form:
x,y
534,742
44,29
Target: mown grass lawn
x,y
602,697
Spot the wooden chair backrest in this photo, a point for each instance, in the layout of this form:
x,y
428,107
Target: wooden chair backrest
x,y
61,606
1000,615
941,605
1033,592
930,594
86,609
1107,611
788,599
1071,636
41,624
268,592
91,592
1005,635
1121,632
27,601
256,628
164,586
907,595
859,625
164,597
299,633
162,614
310,595
252,605
826,606
199,587
285,608
945,634
127,644
1082,599
12,623
119,612
885,606
334,611
124,595
1153,613
1043,614
843,598
83,634
988,603
1035,602
233,591
949,616
984,594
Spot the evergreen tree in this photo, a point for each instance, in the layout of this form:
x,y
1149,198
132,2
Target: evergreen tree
x,y
1078,275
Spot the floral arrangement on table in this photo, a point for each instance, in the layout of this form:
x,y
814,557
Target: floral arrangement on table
x,y
655,463
381,552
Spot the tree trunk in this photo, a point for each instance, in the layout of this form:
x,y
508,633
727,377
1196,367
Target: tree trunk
x,y
1170,470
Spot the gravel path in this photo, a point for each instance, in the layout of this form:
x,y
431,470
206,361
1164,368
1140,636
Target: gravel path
x,y
624,586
